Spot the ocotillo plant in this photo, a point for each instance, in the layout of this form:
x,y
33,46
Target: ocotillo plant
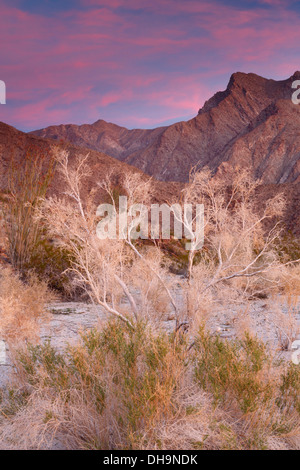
x,y
28,181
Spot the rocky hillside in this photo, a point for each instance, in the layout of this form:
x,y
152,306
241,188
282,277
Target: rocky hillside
x,y
252,123
14,144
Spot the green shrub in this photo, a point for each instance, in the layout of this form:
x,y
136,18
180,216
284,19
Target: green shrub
x,y
135,369
290,389
288,247
121,386
245,379
230,369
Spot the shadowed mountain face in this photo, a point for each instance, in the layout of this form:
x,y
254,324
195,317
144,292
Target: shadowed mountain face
x,y
15,144
253,123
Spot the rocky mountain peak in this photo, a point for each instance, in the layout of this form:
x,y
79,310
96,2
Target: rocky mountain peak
x,y
253,123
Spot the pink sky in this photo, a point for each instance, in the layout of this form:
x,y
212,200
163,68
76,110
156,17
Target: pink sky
x,y
136,63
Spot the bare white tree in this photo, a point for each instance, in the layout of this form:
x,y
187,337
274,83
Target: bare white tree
x,y
102,267
237,257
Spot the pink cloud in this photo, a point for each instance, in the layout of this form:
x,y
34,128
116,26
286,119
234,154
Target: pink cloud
x,y
101,63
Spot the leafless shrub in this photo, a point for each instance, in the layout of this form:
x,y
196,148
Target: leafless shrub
x,y
239,259
101,267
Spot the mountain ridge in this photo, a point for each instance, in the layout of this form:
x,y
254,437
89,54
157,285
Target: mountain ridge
x,y
253,123
16,143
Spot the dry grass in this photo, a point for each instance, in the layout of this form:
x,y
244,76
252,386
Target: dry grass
x,y
22,307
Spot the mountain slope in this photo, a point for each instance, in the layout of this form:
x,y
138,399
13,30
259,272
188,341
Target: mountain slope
x,y
103,136
15,144
252,123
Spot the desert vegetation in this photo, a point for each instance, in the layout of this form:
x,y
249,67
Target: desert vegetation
x,y
156,374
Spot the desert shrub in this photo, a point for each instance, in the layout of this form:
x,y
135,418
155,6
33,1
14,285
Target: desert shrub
x,y
121,384
231,369
51,264
238,254
28,181
22,306
245,380
290,389
29,246
125,388
288,247
100,267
